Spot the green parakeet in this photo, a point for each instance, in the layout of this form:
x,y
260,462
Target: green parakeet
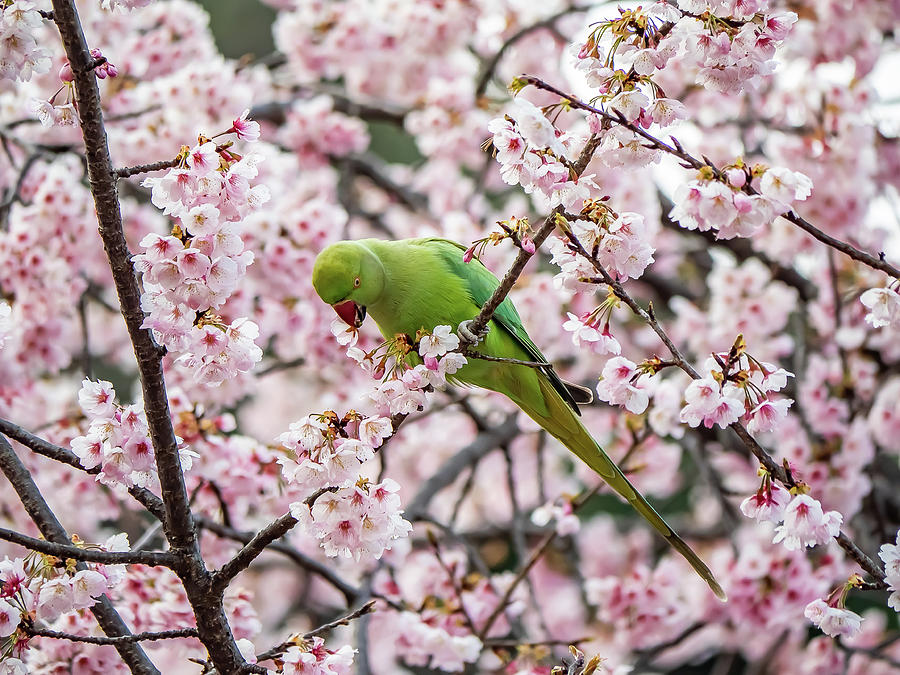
x,y
416,284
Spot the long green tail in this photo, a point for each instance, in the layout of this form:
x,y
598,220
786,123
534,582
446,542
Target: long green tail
x,y
562,423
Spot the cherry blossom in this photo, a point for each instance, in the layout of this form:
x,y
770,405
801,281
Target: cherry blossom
x,y
883,305
768,504
20,55
806,524
619,385
834,621
710,403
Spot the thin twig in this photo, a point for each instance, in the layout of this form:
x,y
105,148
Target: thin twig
x,y
119,640
128,171
487,70
530,563
64,551
345,620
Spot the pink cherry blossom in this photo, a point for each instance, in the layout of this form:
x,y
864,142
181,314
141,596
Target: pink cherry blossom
x,y
834,621
709,403
806,524
619,385
768,504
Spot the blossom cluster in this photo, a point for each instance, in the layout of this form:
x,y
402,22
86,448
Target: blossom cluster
x,y
716,400
315,658
730,46
20,54
890,555
619,243
192,272
352,522
118,440
533,153
729,391
327,454
723,206
37,586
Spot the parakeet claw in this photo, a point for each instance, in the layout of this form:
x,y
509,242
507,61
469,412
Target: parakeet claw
x,y
467,336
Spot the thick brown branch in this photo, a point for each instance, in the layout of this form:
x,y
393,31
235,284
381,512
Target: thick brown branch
x,y
179,527
212,623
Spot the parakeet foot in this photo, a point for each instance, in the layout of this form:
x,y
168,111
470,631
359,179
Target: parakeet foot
x,y
469,337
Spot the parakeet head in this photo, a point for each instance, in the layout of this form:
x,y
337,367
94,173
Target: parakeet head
x,y
348,276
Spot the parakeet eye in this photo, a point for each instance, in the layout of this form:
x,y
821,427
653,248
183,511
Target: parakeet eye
x,y
356,282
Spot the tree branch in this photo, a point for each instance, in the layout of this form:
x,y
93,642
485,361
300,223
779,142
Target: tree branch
x,y
252,549
313,566
63,551
762,455
487,70
345,620
120,640
47,449
178,524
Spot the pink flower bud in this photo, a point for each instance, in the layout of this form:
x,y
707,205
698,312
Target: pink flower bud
x,y
527,244
737,177
65,73
469,254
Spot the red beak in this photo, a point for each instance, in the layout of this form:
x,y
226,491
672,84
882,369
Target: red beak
x,y
351,313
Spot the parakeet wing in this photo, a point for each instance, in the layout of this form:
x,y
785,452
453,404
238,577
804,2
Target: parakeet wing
x,y
482,284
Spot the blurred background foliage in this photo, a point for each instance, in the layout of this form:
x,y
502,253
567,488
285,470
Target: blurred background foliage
x,y
241,27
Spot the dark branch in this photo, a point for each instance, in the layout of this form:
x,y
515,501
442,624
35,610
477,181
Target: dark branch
x,y
252,549
63,551
178,524
311,565
121,640
128,171
42,447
